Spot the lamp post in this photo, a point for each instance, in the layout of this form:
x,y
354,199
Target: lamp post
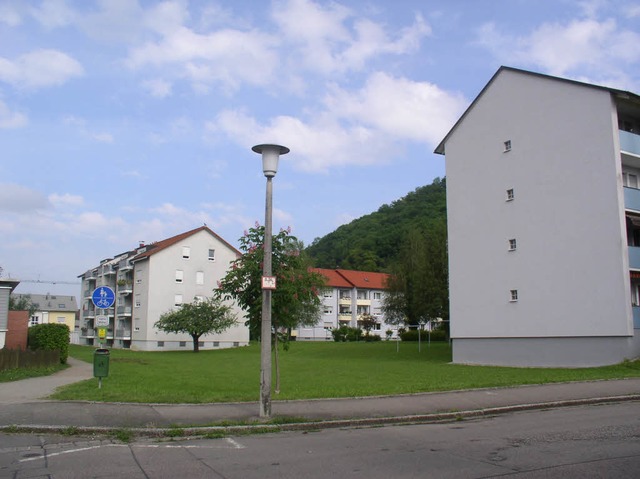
x,y
270,155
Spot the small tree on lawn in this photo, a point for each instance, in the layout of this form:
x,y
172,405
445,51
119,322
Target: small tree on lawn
x,y
295,300
197,319
367,322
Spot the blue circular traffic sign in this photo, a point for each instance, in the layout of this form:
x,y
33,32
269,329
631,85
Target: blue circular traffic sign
x,y
103,297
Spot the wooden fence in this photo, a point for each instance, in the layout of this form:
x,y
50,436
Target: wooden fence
x,y
12,359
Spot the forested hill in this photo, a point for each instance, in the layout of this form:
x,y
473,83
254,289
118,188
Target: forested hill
x,y
371,242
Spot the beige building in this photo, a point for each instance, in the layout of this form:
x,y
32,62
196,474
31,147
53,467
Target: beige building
x,y
52,308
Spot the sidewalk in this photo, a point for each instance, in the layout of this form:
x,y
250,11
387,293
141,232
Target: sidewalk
x,y
21,405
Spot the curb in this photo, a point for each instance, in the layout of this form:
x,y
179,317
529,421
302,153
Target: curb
x,y
259,428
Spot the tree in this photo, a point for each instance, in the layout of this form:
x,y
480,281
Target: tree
x,y
367,322
197,319
23,303
295,300
418,286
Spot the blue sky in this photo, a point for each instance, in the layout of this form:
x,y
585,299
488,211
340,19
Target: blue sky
x,y
129,120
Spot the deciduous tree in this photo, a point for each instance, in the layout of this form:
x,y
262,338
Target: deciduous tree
x,y
197,319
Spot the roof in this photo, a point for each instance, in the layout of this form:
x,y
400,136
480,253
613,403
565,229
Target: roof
x,y
158,246
9,283
345,278
627,95
51,302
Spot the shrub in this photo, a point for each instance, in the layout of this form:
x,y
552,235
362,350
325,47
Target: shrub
x,y
346,333
50,337
412,335
371,338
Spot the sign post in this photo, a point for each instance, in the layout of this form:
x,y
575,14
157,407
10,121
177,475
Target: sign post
x,y
103,298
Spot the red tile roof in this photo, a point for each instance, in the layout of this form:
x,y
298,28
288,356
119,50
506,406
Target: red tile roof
x,y
154,248
344,278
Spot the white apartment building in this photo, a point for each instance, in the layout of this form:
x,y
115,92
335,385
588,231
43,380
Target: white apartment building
x,y
154,279
543,214
347,296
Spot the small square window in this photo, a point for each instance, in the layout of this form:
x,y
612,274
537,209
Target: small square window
x,y
183,344
507,145
514,295
236,343
136,329
200,344
512,244
212,255
510,195
216,344
161,344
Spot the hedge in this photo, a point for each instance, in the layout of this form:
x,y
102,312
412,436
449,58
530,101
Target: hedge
x,y
412,335
50,337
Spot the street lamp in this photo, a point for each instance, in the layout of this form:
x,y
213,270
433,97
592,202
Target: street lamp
x,y
270,155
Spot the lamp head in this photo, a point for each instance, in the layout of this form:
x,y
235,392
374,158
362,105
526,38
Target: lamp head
x,y
270,155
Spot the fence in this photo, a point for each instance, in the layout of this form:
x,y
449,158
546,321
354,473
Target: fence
x,y
12,359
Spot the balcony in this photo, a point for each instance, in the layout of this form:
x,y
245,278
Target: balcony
x,y
91,274
636,317
123,334
631,199
124,265
124,310
88,313
629,143
634,257
125,289
87,333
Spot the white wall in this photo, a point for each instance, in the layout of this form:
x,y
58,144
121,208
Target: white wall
x,y
570,267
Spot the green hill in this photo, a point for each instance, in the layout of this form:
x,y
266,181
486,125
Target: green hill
x,y
371,242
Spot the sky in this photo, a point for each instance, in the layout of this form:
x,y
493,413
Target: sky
x,y
127,120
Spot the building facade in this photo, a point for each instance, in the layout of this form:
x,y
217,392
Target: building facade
x,y
53,308
6,287
154,279
543,212
347,296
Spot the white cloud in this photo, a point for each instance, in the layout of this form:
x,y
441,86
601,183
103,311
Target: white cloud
x,y
399,107
587,46
9,15
102,137
53,14
226,57
66,199
356,128
324,42
11,119
39,68
20,199
158,87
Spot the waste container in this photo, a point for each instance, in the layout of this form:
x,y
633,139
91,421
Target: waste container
x,y
101,363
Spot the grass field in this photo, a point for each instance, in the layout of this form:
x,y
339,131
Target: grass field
x,y
308,370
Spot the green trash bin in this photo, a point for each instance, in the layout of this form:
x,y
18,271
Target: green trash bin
x,y
101,363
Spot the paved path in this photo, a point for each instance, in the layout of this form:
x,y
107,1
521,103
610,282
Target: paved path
x,y
22,403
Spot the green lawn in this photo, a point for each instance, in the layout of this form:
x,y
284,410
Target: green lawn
x,y
308,370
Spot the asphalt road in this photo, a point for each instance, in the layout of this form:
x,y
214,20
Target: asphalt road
x,y
597,441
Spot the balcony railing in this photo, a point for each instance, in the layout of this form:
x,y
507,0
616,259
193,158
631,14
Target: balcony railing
x,y
631,198
634,257
124,310
629,142
88,313
123,333
636,317
87,333
124,265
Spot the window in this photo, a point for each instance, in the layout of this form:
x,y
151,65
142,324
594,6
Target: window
x,y
327,293
161,344
377,295
186,252
199,277
507,145
629,180
216,344
179,276
61,320
512,244
327,310
514,295
137,301
178,300
183,344
212,255
136,328
33,321
200,344
510,194
236,344
62,306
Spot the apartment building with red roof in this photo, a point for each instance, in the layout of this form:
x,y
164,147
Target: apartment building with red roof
x,y
348,295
